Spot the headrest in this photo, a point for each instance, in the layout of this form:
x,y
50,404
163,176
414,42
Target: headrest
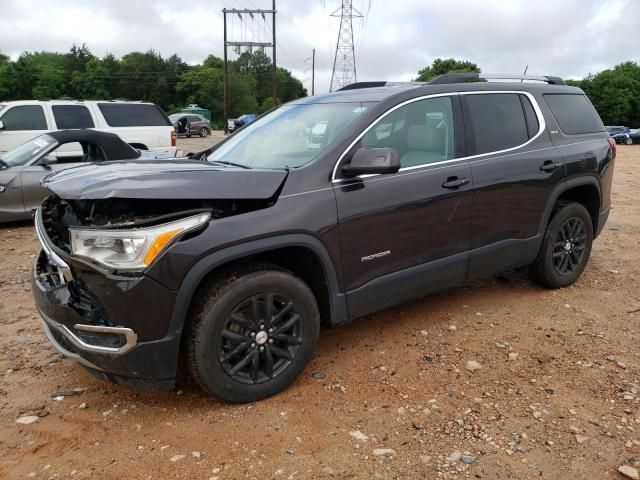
x,y
423,137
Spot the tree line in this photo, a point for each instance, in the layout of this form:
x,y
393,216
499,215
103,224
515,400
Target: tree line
x,y
173,84
168,82
615,93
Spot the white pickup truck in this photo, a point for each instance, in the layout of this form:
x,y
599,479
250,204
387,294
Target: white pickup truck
x,y
142,125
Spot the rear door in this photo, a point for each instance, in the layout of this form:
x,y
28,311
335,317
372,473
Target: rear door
x,y
139,124
69,116
515,167
406,234
21,123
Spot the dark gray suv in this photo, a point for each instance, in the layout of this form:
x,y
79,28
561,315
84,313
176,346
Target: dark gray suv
x,y
323,210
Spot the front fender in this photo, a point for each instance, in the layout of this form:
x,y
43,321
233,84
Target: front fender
x,y
206,265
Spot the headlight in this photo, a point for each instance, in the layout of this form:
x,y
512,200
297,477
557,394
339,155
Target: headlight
x,y
130,249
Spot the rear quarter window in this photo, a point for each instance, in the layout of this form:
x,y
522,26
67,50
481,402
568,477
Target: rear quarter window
x,y
574,113
133,115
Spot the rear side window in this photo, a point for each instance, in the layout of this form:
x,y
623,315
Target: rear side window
x,y
497,121
530,116
133,115
574,113
25,117
72,116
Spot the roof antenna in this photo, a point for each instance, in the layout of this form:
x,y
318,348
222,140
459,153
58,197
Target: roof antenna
x,y
525,72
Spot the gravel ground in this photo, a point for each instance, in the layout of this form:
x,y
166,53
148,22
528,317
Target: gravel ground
x,y
197,144
498,379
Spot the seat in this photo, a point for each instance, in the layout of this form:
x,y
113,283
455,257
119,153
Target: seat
x,y
425,144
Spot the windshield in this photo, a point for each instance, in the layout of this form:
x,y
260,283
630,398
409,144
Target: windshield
x,y
2,106
290,136
25,152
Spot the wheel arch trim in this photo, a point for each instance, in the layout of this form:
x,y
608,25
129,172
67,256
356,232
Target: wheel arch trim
x,y
209,263
560,190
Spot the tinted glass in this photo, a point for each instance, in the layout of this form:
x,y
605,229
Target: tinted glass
x,y
422,132
26,117
133,115
72,116
290,136
530,116
574,113
497,121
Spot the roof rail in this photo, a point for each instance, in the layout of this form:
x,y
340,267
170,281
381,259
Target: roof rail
x,y
373,84
464,77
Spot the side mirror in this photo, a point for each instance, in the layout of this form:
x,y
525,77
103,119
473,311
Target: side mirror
x,y
1,125
372,161
48,160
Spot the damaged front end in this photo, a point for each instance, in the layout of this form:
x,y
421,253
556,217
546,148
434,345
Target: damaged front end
x,y
90,284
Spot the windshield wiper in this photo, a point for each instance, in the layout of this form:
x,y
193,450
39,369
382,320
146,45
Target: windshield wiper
x,y
231,164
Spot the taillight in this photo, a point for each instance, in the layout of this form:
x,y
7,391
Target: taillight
x,y
612,144
174,137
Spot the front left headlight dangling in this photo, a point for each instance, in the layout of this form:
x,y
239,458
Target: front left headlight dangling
x,y
130,249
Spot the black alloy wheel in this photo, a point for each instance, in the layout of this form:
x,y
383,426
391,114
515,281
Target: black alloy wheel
x,y
565,248
260,338
251,332
569,247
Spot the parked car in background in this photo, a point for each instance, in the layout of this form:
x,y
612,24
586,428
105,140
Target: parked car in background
x,y
634,135
142,125
620,134
243,120
231,125
22,168
190,124
228,263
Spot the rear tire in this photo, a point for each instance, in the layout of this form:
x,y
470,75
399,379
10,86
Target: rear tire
x,y
252,332
204,132
628,141
565,248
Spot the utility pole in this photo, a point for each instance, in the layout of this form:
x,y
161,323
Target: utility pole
x,y
226,76
273,38
344,62
313,72
251,46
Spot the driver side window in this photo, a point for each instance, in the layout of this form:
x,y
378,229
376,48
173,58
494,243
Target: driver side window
x,y
422,132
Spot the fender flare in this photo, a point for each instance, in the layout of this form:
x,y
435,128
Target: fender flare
x,y
207,264
558,191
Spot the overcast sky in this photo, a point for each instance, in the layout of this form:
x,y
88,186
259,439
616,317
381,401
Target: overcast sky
x,y
568,38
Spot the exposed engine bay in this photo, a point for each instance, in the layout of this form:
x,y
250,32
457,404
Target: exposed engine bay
x,y
115,213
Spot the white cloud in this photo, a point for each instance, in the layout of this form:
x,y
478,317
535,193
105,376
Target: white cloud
x,y
570,38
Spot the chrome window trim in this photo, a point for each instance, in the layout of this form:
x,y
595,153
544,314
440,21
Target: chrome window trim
x,y
536,108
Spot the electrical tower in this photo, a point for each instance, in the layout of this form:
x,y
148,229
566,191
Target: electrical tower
x,y
344,63
237,46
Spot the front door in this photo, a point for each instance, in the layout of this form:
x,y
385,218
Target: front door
x,y
406,234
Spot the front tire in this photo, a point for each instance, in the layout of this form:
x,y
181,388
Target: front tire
x,y
565,248
252,333
628,141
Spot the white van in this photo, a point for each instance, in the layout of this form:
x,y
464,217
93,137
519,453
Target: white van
x,y
142,125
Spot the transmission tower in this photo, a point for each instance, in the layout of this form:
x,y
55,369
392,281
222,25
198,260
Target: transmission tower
x,y
344,63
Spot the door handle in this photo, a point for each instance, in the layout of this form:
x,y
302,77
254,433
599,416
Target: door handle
x,y
453,183
549,166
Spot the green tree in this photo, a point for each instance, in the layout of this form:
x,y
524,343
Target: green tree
x,y
615,94
440,66
92,82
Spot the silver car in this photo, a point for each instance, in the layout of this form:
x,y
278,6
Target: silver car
x,y
22,168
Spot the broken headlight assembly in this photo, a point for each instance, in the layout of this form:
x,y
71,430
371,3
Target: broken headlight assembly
x,y
130,249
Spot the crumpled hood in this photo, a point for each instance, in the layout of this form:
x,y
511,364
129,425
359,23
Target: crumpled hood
x,y
166,179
